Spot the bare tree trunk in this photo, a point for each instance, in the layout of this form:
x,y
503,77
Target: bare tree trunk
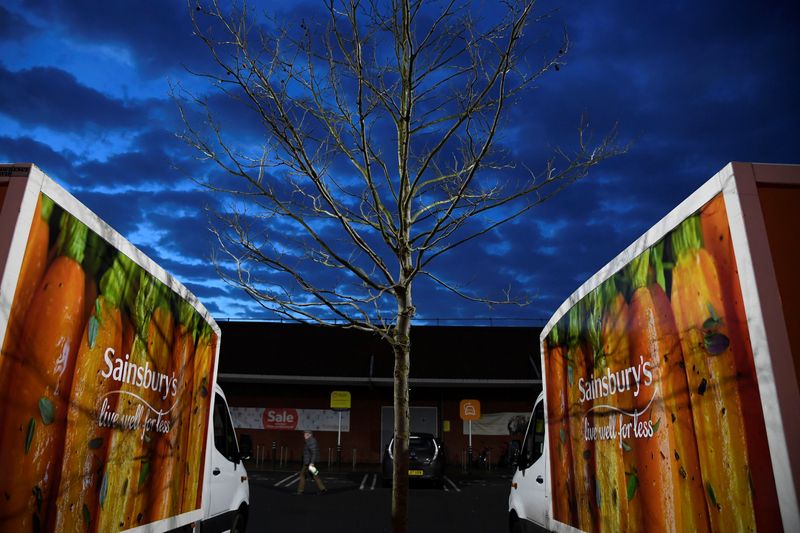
x,y
401,437
402,367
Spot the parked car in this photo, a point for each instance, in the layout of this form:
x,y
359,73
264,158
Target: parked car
x,y
425,459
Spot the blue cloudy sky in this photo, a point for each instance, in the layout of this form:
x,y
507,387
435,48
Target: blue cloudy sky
x,y
85,94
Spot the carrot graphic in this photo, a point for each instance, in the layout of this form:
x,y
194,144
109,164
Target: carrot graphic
x,y
34,263
563,488
712,376
170,458
618,510
201,392
160,335
672,493
87,439
124,467
717,240
32,433
579,416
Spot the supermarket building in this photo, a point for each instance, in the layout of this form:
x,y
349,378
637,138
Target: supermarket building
x,y
280,379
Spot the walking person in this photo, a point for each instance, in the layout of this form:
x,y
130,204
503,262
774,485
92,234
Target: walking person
x,y
310,456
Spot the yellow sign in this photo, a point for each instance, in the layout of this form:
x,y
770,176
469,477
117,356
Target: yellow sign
x,y
340,399
446,426
470,410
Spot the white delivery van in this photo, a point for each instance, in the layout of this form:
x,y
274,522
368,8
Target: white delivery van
x,y
229,495
110,415
671,376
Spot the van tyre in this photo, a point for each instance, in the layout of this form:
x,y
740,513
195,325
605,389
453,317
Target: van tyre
x,y
516,525
238,524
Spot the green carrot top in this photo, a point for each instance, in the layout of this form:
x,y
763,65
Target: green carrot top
x,y
204,332
146,301
45,207
638,270
554,336
657,260
688,236
574,327
96,254
116,279
71,240
187,317
595,302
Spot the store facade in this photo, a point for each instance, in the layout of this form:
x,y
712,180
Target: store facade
x,y
281,378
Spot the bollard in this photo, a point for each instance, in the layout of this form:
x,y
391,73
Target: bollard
x,y
338,457
274,447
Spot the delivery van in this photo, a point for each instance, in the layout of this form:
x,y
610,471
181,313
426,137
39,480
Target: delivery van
x,y
110,415
670,393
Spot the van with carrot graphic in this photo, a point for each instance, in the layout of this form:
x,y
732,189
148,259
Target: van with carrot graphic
x,y
110,415
671,377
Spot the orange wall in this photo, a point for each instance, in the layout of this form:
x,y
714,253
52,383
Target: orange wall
x,y
779,205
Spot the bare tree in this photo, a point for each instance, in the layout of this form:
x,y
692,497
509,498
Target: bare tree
x,y
378,155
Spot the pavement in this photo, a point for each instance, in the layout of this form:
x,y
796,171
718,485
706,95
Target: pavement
x,y
370,468
356,501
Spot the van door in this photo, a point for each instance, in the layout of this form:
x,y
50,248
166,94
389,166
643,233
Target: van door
x,y
532,467
226,471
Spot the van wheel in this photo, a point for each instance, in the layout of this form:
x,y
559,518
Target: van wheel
x,y
516,525
238,524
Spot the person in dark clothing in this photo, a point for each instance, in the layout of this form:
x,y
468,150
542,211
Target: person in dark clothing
x,y
310,456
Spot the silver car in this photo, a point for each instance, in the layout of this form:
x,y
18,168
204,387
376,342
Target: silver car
x,y
425,459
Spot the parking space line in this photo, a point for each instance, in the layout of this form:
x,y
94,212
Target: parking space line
x,y
288,481
365,482
451,483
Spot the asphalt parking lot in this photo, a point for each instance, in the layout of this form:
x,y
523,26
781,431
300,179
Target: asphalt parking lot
x,y
357,502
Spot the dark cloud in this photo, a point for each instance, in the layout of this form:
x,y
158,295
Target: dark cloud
x,y
46,96
157,34
13,25
140,168
27,150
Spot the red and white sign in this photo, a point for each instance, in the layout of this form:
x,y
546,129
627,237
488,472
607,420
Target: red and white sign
x,y
280,418
289,419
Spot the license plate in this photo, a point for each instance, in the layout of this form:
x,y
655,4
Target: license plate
x,y
415,472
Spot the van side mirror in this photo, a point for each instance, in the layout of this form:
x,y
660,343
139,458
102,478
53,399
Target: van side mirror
x,y
245,446
522,461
